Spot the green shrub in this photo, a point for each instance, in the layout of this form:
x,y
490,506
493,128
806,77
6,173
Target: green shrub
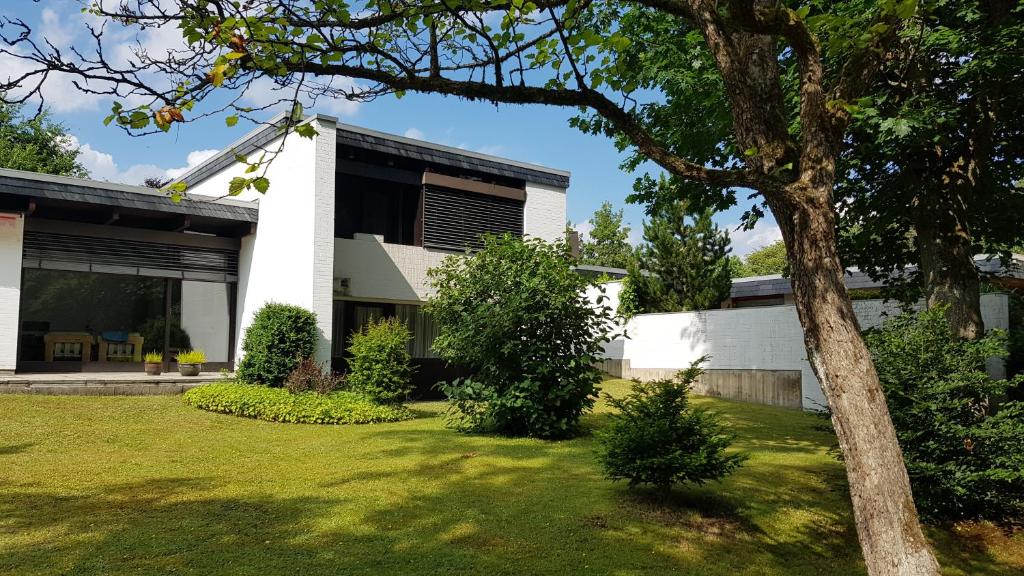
x,y
380,365
190,357
152,333
278,405
657,438
516,316
153,357
309,376
961,441
279,337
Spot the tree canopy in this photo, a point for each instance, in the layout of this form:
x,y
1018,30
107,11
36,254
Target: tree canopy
x,y
787,80
682,265
36,144
608,243
765,261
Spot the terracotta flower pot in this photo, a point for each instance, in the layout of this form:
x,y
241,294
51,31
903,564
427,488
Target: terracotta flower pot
x,y
154,368
189,369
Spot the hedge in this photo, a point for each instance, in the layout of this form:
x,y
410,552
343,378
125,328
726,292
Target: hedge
x,y
279,405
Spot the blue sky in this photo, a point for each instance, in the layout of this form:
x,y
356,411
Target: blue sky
x,y
536,134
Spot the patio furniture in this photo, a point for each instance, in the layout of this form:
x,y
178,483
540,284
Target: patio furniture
x,y
120,347
68,346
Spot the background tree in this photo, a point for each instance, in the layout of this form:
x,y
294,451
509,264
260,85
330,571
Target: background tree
x,y
156,182
36,144
608,243
685,260
739,56
765,261
933,172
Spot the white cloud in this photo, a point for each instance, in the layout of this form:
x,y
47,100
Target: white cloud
x,y
102,166
415,134
746,241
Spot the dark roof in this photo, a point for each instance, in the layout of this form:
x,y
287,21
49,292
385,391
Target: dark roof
x,y
776,285
366,139
35,185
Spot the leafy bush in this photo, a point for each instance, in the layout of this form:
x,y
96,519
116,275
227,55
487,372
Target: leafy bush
x,y
153,357
516,316
961,441
279,337
278,405
191,357
309,376
152,333
380,365
658,438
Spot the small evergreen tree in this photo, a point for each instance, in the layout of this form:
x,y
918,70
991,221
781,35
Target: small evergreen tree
x,y
685,266
608,244
657,438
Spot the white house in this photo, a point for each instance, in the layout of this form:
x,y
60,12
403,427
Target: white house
x,y
351,223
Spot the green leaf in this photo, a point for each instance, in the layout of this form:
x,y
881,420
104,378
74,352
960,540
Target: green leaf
x,y
261,184
306,130
231,120
237,185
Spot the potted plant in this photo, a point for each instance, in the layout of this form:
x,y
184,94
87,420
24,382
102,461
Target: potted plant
x,y
190,362
154,362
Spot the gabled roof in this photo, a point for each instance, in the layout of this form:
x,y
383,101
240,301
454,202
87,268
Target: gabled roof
x,y
36,185
364,138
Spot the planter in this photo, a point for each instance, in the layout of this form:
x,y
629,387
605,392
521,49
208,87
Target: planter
x,y
189,369
154,368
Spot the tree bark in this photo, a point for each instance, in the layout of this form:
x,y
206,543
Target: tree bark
x,y
946,259
886,518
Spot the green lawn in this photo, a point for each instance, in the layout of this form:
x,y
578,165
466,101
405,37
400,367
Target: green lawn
x,y
144,485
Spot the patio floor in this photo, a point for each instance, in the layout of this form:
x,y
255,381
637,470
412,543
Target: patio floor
x,y
103,383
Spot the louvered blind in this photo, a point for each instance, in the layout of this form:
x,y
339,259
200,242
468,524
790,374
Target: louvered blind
x,y
456,220
92,254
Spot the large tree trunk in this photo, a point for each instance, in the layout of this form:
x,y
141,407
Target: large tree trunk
x,y
946,258
887,523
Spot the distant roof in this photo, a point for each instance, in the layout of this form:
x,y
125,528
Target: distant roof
x,y
596,271
365,138
775,285
36,185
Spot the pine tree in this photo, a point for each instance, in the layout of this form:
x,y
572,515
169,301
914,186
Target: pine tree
x,y
686,260
608,244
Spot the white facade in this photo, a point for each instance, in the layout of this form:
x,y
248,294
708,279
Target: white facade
x,y
294,258
763,338
12,227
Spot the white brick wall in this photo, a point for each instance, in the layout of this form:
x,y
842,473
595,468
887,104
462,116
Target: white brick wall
x,y
12,227
284,261
544,213
323,235
768,338
379,271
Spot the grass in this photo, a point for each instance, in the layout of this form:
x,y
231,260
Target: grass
x,y
145,485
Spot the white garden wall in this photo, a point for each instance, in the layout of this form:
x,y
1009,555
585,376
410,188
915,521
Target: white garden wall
x,y
12,227
764,338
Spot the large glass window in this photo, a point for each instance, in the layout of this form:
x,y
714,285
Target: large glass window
x,y
84,317
354,316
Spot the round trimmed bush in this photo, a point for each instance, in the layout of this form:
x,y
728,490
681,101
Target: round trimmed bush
x,y
279,405
280,336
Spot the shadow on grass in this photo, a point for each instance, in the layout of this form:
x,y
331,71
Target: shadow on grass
x,y
15,448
